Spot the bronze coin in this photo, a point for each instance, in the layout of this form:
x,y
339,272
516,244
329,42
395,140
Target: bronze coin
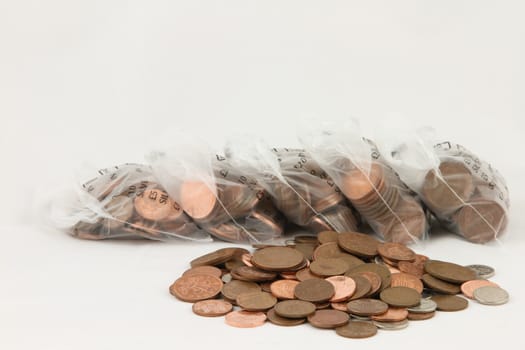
x,y
449,272
231,290
314,290
469,287
395,252
212,308
367,307
283,321
344,288
327,236
214,258
357,330
420,316
373,278
328,318
245,319
393,314
400,296
327,250
358,244
284,289
194,288
481,221
450,302
305,274
325,267
439,285
253,274
362,288
256,301
406,280
294,308
277,258
381,270
416,267
203,270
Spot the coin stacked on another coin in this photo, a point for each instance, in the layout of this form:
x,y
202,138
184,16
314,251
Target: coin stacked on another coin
x,y
349,282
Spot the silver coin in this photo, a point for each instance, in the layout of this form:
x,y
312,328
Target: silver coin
x,y
491,295
392,326
360,318
483,271
426,305
226,278
378,260
427,293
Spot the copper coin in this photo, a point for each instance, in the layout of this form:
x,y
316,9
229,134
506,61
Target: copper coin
x,y
197,199
289,275
469,287
450,302
231,290
314,290
339,306
362,288
246,259
357,330
253,274
277,258
396,252
212,308
367,307
153,204
294,308
400,296
214,258
306,248
415,267
449,272
193,288
439,285
265,287
283,321
482,221
373,278
406,280
358,183
381,270
245,319
284,289
305,274
344,288
327,236
412,316
203,270
327,250
256,301
325,267
358,244
328,318
393,314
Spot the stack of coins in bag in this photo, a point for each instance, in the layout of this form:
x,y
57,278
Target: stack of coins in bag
x,y
234,208
466,194
125,201
309,198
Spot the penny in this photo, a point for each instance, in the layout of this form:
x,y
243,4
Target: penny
x,y
247,259
256,301
373,278
212,308
469,287
193,288
400,296
214,258
327,250
328,319
406,280
305,274
392,326
203,270
283,321
396,252
154,204
358,184
482,221
327,236
357,330
314,290
439,285
284,289
415,267
305,239
412,316
277,258
306,248
325,267
245,319
367,307
482,271
381,270
344,288
491,295
339,306
450,302
320,306
253,274
362,288
449,272
294,308
197,199
424,306
358,244
265,287
393,314
232,289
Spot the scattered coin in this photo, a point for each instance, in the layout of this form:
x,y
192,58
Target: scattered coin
x,y
277,258
231,290
214,258
393,314
284,289
482,271
413,316
357,330
203,270
358,244
328,318
439,285
367,307
392,326
362,288
294,308
252,274
325,267
193,288
256,301
305,274
424,306
212,308
245,319
469,287
327,236
491,295
396,252
381,270
373,278
344,288
314,290
449,272
400,296
406,280
274,318
450,302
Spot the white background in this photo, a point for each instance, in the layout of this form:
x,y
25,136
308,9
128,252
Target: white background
x,y
98,82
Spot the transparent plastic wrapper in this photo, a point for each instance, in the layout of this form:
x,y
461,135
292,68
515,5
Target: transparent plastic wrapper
x,y
299,188
226,203
465,193
373,188
124,201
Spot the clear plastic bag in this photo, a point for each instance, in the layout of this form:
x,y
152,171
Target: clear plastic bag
x,y
374,189
124,201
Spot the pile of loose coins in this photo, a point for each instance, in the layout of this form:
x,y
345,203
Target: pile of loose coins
x,y
349,282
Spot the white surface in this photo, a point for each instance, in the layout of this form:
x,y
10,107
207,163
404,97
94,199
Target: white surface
x,y
98,81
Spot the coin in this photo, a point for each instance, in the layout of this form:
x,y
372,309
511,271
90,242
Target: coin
x,y
325,267
491,295
469,287
344,288
284,289
367,307
415,267
396,252
392,326
305,274
400,296
212,308
197,199
450,302
362,288
314,290
294,308
274,318
373,278
328,318
256,301
439,285
358,244
482,271
231,290
214,258
339,306
381,270
357,330
247,273
449,272
327,236
245,319
193,288
406,280
203,270
153,204
424,306
277,258
393,314
481,221
412,316
358,184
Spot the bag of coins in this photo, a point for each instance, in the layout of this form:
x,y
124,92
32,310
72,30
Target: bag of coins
x,y
127,201
372,187
465,193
